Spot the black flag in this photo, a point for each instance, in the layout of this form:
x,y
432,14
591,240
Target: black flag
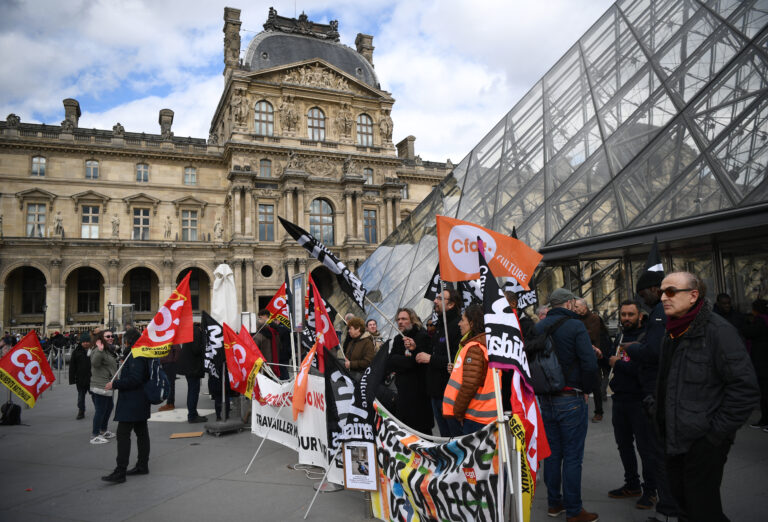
x,y
214,344
433,288
502,329
525,297
348,281
653,263
471,292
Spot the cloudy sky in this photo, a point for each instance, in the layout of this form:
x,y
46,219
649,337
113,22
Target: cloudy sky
x,y
454,67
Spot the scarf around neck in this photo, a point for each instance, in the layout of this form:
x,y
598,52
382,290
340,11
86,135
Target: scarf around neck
x,y
677,326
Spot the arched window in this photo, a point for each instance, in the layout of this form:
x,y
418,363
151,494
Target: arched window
x,y
316,124
91,169
321,221
265,118
364,130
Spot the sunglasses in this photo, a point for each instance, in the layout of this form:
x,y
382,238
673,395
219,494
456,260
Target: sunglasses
x,y
671,291
109,337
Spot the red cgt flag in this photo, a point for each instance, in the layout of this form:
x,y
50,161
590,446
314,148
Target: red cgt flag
x,y
278,307
244,361
171,325
324,331
25,370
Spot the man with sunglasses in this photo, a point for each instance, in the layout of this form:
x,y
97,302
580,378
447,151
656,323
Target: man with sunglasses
x,y
706,391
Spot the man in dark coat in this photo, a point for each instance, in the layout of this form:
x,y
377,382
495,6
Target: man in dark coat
x,y
414,406
80,371
132,412
706,391
190,365
437,361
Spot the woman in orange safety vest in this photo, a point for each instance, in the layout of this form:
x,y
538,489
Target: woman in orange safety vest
x,y
470,400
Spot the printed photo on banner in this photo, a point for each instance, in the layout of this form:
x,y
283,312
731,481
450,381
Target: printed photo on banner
x,y
360,471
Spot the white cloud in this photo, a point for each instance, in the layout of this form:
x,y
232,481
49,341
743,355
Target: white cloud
x,y
454,67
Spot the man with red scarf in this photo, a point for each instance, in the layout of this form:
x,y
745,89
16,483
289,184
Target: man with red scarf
x,y
706,391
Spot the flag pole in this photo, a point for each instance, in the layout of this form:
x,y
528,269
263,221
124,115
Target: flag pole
x,y
269,430
445,321
322,481
504,453
387,319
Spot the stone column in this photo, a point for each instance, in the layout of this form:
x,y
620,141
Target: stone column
x,y
237,212
248,213
396,205
387,229
237,271
167,284
112,287
300,204
249,278
289,205
348,215
358,218
54,297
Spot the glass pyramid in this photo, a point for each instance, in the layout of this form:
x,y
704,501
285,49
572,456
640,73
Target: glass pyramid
x,y
659,113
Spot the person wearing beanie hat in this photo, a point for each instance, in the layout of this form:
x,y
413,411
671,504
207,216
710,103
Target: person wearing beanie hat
x,y
80,371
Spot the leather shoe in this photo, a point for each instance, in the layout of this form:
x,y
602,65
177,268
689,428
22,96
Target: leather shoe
x,y
197,419
598,417
584,516
80,415
554,511
166,407
137,471
117,477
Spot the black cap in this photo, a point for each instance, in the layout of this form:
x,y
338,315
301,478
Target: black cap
x,y
649,279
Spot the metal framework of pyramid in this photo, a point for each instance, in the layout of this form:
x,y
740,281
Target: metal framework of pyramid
x,y
657,115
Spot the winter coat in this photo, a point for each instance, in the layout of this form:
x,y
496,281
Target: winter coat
x,y
646,353
626,383
470,393
573,348
360,352
103,367
80,368
413,405
132,403
707,386
190,362
437,372
756,331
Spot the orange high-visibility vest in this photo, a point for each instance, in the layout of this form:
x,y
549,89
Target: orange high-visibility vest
x,y
482,407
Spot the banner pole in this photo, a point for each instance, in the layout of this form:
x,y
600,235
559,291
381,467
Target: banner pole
x,y
322,481
502,434
387,319
269,430
294,355
445,321
224,398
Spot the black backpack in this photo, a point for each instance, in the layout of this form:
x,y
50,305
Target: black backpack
x,y
546,372
11,414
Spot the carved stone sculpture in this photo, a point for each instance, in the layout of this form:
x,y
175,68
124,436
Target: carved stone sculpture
x,y
240,107
12,121
115,225
218,230
58,225
213,139
118,131
67,126
316,76
345,121
349,166
320,167
294,161
289,116
386,126
167,228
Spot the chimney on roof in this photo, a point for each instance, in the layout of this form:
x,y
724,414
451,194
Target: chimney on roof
x,y
231,38
165,120
406,149
72,111
364,44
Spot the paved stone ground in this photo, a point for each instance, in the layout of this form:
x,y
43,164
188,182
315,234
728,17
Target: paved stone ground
x,y
51,473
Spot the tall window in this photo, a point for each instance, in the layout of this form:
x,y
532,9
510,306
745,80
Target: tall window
x,y
316,124
91,169
265,118
89,228
140,223
364,130
265,168
36,220
88,285
321,221
38,166
190,176
142,173
32,291
266,222
368,175
141,289
369,225
189,225
404,192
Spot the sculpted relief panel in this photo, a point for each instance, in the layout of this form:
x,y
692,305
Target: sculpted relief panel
x,y
317,76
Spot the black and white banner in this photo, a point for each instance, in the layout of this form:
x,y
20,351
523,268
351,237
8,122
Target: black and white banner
x,y
525,298
348,281
349,418
433,288
214,345
471,292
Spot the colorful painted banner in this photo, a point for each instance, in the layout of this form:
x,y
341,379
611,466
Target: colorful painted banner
x,y
25,370
421,479
171,325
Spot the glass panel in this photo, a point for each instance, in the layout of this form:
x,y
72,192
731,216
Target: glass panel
x,y
748,16
745,155
658,21
573,155
600,217
629,99
727,99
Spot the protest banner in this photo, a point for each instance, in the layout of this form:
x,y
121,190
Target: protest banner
x,y
457,246
171,325
278,307
271,417
25,370
243,362
435,479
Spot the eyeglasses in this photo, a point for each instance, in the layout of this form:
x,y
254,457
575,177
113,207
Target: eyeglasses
x,y
109,337
671,291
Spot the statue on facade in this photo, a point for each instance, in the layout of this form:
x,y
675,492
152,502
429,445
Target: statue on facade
x,y
67,126
213,139
294,162
167,228
385,126
118,131
349,166
115,225
345,121
240,107
58,225
12,121
289,117
165,130
218,230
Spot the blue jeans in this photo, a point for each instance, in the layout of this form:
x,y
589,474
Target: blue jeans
x,y
442,422
102,404
565,421
193,394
